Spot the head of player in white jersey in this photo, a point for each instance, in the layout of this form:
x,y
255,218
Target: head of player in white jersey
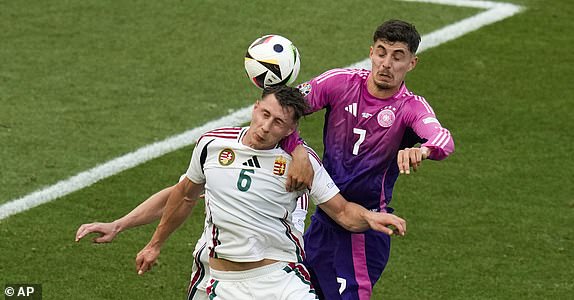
x,y
274,117
393,55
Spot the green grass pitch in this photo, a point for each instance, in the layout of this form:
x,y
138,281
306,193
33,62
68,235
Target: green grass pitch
x,y
82,82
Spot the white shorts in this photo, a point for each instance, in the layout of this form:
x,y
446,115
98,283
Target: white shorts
x,y
277,281
199,272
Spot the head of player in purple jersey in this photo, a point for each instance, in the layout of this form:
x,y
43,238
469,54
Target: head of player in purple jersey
x,y
393,55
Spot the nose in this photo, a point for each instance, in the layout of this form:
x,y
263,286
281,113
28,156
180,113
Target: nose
x,y
266,126
387,61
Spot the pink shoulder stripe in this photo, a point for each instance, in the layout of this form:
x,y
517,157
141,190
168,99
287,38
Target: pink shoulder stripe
x,y
424,103
336,72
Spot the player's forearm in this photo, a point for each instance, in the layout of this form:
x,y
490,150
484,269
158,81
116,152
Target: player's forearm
x,y
181,201
148,211
354,218
349,215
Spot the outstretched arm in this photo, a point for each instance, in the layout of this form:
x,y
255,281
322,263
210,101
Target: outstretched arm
x,y
148,211
356,218
181,201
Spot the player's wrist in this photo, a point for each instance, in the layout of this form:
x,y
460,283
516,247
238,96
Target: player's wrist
x,y
118,226
425,152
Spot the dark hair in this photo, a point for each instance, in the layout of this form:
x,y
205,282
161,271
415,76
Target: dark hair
x,y
288,97
398,31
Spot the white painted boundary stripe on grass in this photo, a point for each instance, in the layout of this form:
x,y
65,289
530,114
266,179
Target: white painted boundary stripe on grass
x,y
495,11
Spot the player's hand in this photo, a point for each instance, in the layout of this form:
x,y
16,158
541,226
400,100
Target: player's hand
x,y
146,259
387,223
107,231
411,157
300,173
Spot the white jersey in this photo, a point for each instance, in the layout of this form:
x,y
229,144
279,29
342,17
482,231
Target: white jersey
x,y
249,212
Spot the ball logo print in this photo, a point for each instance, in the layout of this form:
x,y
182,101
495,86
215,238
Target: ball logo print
x,y
272,60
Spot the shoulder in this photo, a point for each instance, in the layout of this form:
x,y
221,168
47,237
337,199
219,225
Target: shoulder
x,y
334,81
342,75
313,157
416,103
224,133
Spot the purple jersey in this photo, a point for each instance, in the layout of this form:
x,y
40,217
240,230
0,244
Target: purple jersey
x,y
363,134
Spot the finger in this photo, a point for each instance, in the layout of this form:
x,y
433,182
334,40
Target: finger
x,y
299,185
388,229
143,268
400,161
413,159
82,231
404,223
101,239
419,158
399,225
288,184
406,165
140,264
79,232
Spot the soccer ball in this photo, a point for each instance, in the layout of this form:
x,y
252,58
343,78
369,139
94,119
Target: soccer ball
x,y
272,60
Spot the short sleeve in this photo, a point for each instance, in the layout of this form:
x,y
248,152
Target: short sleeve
x,y
195,169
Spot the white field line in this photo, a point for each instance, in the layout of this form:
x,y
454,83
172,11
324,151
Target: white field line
x,y
494,12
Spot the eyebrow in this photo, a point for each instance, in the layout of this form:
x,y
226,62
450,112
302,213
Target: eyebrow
x,y
400,50
275,117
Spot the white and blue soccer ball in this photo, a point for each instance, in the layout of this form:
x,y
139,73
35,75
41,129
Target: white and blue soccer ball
x,y
272,60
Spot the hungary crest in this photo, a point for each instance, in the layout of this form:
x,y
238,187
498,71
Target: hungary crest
x,y
226,157
279,165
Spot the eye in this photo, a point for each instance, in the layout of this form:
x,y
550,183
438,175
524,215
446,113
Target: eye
x,y
398,56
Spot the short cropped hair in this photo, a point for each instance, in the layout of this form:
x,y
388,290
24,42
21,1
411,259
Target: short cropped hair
x,y
288,97
398,31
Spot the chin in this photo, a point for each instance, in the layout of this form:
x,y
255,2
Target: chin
x,y
383,85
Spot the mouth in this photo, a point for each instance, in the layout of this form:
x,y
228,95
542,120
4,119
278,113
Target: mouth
x,y
385,76
258,138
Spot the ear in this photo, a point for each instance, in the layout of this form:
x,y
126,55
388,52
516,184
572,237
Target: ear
x,y
413,63
291,130
371,51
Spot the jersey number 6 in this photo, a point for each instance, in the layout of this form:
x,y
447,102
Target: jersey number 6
x,y
244,181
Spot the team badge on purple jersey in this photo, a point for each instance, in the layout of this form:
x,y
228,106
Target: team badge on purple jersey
x,y
226,157
386,117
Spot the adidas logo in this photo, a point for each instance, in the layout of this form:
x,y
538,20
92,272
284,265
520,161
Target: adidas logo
x,y
352,108
252,162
